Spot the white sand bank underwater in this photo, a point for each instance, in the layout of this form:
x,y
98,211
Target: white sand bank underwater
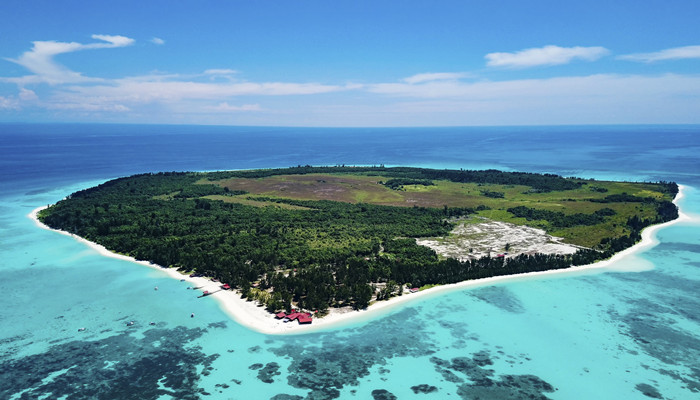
x,y
251,315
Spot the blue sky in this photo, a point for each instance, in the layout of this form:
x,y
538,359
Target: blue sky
x,y
351,63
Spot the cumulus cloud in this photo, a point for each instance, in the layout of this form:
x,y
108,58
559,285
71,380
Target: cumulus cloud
x,y
676,53
16,102
8,103
157,40
40,59
434,76
547,55
27,95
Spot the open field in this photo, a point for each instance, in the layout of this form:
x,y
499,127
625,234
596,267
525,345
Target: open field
x,y
360,188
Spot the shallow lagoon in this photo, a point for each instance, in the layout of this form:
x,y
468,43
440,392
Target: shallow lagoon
x,y
600,334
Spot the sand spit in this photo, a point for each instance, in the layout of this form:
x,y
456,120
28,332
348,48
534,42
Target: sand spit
x,y
255,317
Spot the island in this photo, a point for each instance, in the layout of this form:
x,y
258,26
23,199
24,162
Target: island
x,y
307,240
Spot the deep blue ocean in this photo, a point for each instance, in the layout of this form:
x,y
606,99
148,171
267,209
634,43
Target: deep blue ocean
x,y
631,331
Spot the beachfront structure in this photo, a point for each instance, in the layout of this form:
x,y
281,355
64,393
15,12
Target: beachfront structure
x,y
301,318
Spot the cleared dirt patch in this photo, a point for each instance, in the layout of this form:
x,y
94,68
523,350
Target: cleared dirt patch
x,y
470,240
345,188
359,189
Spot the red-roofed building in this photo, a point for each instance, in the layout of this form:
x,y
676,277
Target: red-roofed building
x,y
304,318
293,316
280,315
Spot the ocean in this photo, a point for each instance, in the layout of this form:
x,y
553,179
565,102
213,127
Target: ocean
x,y
631,331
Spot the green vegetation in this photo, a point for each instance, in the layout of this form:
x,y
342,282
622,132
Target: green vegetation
x,y
561,220
319,237
399,183
493,195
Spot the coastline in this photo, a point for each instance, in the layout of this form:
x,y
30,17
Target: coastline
x,y
254,317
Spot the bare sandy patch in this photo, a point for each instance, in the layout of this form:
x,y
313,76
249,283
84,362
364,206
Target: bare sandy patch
x,y
472,240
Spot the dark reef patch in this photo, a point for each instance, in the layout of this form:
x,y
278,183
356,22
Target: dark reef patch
x,y
651,323
266,374
648,391
160,363
255,349
340,359
326,363
508,387
286,397
383,394
424,388
482,358
484,385
11,345
675,247
458,330
500,297
220,324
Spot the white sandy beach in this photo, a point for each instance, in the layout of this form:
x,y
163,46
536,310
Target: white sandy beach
x,y
256,318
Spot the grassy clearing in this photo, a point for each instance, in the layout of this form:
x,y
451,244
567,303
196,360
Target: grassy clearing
x,y
168,196
358,188
243,199
337,187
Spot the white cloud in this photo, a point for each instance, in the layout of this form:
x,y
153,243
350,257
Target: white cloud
x,y
676,53
158,41
40,59
225,107
220,95
434,76
591,99
27,95
193,98
567,89
15,102
547,55
220,71
140,91
87,106
112,41
73,91
8,103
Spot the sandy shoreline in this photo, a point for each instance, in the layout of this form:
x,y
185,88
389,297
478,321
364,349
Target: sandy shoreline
x,y
254,317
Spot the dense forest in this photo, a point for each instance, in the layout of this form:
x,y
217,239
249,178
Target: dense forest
x,y
316,254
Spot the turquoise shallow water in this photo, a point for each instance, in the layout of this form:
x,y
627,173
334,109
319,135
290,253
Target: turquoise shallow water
x,y
599,334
